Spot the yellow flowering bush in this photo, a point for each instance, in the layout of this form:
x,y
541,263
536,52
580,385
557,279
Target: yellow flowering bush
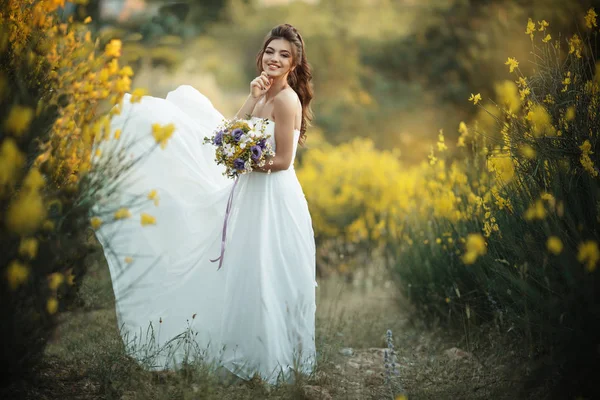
x,y
503,226
528,255
59,89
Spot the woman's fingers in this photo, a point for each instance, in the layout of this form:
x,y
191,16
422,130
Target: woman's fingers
x,y
265,81
258,83
262,82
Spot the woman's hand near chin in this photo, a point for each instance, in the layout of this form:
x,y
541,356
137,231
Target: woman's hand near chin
x,y
260,85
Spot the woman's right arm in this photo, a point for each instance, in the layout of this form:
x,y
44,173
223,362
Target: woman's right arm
x,y
247,108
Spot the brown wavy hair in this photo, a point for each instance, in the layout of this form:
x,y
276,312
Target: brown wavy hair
x,y
300,78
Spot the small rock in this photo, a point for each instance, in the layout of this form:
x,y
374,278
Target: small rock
x,y
369,372
346,351
353,365
457,354
315,393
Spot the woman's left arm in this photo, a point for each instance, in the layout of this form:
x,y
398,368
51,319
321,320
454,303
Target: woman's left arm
x,y
284,110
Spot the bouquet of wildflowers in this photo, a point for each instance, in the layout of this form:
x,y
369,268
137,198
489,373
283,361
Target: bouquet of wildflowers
x,y
241,146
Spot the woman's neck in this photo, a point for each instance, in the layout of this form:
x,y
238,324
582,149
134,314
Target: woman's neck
x,y
277,86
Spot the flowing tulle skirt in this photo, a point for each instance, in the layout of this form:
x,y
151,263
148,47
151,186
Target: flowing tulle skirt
x,y
253,316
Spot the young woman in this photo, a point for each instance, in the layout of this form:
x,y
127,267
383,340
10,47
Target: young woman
x,y
256,314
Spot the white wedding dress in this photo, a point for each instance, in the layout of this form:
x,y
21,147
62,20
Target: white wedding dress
x,y
256,315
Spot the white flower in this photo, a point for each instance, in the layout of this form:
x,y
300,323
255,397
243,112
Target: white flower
x,y
252,133
248,166
242,145
228,150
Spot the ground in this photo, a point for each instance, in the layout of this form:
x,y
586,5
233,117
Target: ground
x,y
85,360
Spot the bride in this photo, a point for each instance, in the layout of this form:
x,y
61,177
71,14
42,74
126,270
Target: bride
x,y
256,314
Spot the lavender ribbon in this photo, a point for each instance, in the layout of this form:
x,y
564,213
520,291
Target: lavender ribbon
x,y
224,234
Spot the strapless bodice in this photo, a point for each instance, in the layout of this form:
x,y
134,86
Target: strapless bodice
x,y
270,130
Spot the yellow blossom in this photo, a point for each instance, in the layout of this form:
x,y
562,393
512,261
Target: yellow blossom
x,y
440,144
16,274
147,219
503,167
69,277
541,120
18,119
570,114
137,95
432,158
589,254
463,129
128,260
590,19
11,162
566,81
113,48
87,20
585,159
126,71
575,45
162,133
475,98
25,213
28,248
95,222
530,28
512,64
543,25
555,245
475,247
523,93
547,38
34,179
52,305
123,84
55,280
122,213
535,211
117,134
508,95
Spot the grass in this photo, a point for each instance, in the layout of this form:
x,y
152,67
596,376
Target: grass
x,y
85,358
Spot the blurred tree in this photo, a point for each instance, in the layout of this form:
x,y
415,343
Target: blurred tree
x,y
196,13
454,49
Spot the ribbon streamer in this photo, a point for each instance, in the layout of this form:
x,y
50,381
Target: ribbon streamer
x,y
224,234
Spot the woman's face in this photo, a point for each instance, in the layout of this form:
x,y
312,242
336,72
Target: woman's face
x,y
277,59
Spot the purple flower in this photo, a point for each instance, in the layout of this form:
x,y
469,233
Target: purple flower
x,y
237,134
262,143
256,152
218,140
238,164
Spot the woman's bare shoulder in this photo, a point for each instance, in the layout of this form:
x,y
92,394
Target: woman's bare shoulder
x,y
287,98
